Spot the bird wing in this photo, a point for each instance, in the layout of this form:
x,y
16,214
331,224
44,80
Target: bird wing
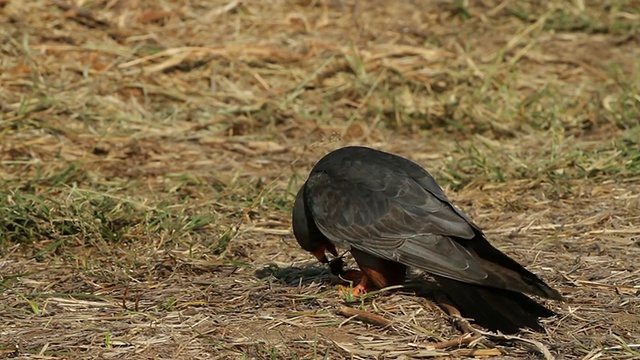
x,y
391,215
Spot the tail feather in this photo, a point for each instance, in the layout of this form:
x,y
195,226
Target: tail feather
x,y
495,309
508,273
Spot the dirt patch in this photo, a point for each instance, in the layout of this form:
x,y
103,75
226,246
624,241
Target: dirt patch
x,y
150,152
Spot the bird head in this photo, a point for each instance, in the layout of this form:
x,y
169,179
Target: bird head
x,y
307,233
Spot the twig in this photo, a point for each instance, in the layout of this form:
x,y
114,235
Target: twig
x,y
466,327
364,316
460,322
82,16
460,340
537,345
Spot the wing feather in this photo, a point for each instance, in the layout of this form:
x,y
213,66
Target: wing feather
x,y
395,218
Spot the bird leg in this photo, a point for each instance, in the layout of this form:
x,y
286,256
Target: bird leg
x,y
362,288
347,277
375,273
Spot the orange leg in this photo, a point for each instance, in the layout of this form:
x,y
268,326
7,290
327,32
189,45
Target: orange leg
x,y
349,277
363,286
381,272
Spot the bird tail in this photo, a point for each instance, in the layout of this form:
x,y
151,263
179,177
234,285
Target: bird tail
x,y
493,308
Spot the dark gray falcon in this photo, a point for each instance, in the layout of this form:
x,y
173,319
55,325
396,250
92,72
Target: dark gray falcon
x,y
390,213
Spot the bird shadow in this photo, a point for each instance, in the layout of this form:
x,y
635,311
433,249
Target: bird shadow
x,y
295,276
416,284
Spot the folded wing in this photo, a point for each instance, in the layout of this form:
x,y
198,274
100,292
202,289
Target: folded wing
x,y
396,218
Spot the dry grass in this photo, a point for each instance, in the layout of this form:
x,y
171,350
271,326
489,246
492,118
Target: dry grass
x,y
149,152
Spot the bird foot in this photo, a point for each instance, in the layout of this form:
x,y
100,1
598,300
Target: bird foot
x,y
346,278
349,293
362,288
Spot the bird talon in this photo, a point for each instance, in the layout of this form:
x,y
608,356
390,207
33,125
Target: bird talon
x,y
351,293
354,292
359,290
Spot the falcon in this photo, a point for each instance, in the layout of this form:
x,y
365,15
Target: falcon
x,y
391,214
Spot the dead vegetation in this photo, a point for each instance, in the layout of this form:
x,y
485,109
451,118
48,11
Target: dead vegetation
x,y
149,153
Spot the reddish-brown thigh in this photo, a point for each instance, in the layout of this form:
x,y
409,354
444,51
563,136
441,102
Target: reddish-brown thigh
x,y
381,272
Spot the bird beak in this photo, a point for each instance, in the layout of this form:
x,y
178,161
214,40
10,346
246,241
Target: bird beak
x,y
321,255
320,252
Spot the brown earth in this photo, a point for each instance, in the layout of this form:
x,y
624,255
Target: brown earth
x,y
150,151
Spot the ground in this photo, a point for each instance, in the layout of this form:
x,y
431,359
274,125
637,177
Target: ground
x,y
150,152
